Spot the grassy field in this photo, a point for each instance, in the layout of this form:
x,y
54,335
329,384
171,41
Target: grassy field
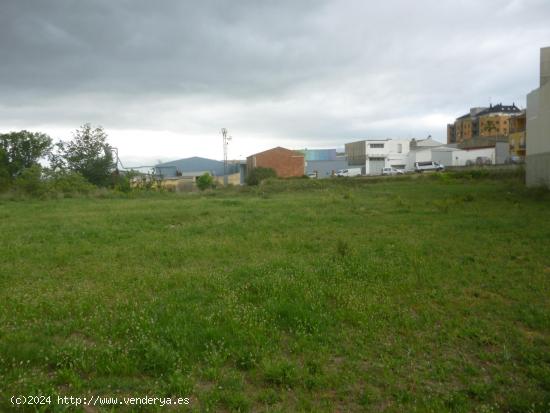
x,y
428,294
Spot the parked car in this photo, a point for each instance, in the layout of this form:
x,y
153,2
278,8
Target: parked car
x,y
428,166
392,171
483,160
514,159
349,172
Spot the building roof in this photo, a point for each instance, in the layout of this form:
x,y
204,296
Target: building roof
x,y
295,153
187,163
522,112
195,164
425,143
467,115
500,108
446,148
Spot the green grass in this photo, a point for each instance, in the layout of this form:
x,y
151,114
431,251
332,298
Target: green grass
x,y
428,294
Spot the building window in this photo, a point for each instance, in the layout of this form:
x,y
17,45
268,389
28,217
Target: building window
x,y
399,148
376,145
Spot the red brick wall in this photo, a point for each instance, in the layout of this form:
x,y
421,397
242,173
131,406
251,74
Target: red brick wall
x,y
285,162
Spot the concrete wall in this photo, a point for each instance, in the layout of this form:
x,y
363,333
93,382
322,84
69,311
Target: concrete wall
x,y
537,162
544,66
538,121
538,128
538,169
233,179
179,184
445,158
472,154
356,153
456,157
502,152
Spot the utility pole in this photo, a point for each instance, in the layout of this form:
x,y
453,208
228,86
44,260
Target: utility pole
x,y
226,140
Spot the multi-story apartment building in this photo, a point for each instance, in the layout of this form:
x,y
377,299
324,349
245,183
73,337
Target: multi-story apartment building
x,y
516,135
465,127
488,122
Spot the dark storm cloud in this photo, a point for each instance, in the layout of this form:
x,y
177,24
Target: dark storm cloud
x,y
320,70
153,47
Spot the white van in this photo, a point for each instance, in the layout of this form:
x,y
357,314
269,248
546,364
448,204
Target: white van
x,y
349,172
428,166
392,171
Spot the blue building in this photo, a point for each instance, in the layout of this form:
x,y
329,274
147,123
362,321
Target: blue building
x,y
323,163
318,154
195,165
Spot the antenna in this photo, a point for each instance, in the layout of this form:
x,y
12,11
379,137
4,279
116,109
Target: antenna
x,y
226,140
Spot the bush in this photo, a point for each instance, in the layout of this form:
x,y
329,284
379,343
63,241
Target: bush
x,y
257,175
122,181
67,182
30,181
205,181
5,181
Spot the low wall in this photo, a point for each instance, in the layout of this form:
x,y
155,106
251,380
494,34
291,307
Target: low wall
x,y
233,179
504,167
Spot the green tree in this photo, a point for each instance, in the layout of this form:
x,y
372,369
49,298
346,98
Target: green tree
x,y
205,181
30,181
88,154
5,178
21,150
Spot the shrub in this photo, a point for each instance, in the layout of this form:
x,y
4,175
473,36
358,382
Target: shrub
x,y
5,180
122,181
281,373
257,175
30,181
67,182
205,181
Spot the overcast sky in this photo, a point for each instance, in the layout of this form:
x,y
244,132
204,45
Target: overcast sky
x,y
162,77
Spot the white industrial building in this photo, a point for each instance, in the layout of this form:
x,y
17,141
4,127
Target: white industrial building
x,y
372,155
449,155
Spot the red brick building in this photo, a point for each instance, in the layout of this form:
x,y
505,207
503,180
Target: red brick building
x,y
285,162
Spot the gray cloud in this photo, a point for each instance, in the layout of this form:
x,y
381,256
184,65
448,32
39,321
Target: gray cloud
x,y
318,72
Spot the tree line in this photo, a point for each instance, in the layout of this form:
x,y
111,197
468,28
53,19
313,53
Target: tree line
x,y
30,162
